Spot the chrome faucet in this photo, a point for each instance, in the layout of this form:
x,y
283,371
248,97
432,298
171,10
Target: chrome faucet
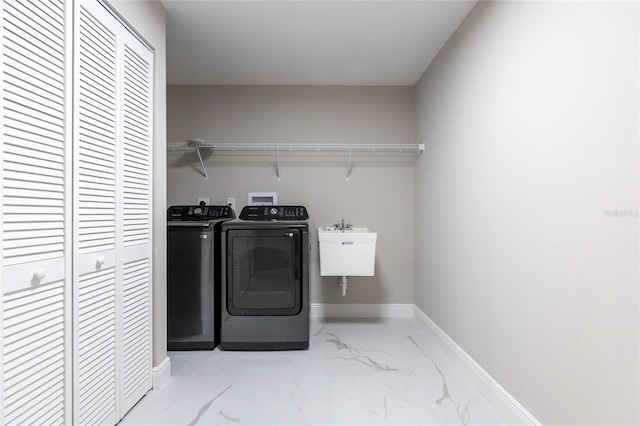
x,y
342,226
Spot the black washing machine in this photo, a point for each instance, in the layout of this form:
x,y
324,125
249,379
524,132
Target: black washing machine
x,y
193,275
265,279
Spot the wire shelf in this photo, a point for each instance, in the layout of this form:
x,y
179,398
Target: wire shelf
x,y
294,147
278,148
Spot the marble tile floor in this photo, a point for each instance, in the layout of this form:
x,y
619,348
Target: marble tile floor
x,y
356,372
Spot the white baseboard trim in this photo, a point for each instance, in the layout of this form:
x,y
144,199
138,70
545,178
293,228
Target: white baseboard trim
x,y
161,374
506,404
361,310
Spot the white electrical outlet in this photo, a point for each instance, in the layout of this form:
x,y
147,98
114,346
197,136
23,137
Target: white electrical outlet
x,y
232,202
206,200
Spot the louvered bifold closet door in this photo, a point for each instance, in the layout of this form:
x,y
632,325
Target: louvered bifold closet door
x,y
35,280
112,196
95,184
134,252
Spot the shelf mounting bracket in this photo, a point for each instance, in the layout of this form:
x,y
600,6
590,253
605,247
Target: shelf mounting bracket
x,y
204,170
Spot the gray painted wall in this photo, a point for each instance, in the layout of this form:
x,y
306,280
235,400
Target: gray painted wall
x,y
530,117
379,194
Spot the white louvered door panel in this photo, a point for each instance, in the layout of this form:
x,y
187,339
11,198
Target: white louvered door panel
x,y
112,263
95,185
95,355
136,333
134,253
35,279
136,140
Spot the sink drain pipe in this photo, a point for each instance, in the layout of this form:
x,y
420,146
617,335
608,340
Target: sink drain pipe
x,y
343,284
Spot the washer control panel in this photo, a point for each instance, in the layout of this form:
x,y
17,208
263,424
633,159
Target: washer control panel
x,y
274,213
199,213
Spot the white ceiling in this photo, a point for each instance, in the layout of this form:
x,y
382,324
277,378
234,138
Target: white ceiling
x,y
361,43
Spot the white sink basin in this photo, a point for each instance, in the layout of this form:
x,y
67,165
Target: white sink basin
x,y
351,252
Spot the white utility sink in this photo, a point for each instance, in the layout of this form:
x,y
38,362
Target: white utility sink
x,y
351,252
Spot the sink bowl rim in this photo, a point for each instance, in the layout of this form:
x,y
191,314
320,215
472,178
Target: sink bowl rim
x,y
332,230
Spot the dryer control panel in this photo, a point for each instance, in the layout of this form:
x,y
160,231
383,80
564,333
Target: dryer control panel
x,y
199,213
274,213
